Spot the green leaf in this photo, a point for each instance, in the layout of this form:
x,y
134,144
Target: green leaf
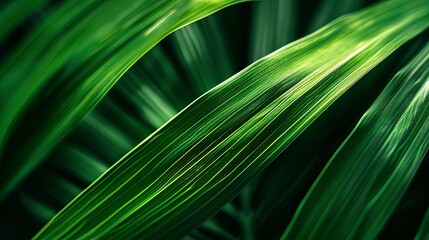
x,y
16,12
69,62
280,16
100,139
328,10
200,47
37,208
79,163
199,160
423,232
363,182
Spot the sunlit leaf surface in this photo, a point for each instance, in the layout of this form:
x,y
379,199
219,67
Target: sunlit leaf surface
x,y
189,168
365,179
74,57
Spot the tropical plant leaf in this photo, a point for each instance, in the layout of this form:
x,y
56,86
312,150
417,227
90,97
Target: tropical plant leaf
x,y
124,118
100,139
15,12
331,9
79,51
280,15
423,232
201,47
362,183
37,208
189,168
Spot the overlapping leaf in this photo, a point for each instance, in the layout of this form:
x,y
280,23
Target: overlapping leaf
x,y
194,164
74,57
365,179
331,9
15,12
113,128
280,15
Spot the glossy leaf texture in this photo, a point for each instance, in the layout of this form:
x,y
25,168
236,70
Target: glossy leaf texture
x,y
142,101
364,181
74,57
201,158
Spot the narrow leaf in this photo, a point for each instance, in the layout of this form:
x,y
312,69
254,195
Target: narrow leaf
x,y
202,49
362,183
280,16
423,232
331,9
16,12
68,64
199,160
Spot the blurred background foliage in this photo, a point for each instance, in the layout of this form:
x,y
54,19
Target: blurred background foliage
x,y
175,72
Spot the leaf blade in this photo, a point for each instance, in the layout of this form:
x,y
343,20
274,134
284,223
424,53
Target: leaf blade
x,y
423,232
85,48
362,183
163,191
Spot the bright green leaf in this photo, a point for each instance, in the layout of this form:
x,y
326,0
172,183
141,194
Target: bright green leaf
x,y
69,62
362,183
189,168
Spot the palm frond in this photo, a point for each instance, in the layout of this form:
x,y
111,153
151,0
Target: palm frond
x,y
365,179
74,57
163,185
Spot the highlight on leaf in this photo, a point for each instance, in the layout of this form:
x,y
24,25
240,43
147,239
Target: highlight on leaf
x,y
74,65
324,138
363,182
223,139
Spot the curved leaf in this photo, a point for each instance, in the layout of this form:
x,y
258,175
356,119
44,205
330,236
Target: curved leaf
x,y
190,167
69,62
362,183
15,12
423,232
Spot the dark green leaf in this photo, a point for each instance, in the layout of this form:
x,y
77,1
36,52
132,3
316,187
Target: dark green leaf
x,y
189,168
358,190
